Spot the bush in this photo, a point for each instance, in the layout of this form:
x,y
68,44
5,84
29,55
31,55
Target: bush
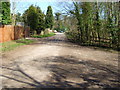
x,y
72,35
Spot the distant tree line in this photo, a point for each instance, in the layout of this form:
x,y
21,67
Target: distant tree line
x,y
61,22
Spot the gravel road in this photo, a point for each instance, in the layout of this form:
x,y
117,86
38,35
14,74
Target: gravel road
x,y
55,62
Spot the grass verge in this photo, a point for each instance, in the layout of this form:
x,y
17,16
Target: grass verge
x,y
41,36
10,45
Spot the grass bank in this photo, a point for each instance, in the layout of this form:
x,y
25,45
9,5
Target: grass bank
x,y
10,45
41,36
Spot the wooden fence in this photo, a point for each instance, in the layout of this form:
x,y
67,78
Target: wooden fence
x,y
9,32
108,42
104,42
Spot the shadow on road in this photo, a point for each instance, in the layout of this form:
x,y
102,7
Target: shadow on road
x,y
68,71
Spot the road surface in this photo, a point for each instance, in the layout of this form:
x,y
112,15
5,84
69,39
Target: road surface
x,y
55,62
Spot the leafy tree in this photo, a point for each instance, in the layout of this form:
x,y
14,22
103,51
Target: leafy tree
x,y
35,18
1,13
24,17
6,19
57,15
18,17
32,17
77,14
86,13
49,18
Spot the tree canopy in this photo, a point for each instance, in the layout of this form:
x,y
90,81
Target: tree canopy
x,y
32,17
5,15
97,23
18,17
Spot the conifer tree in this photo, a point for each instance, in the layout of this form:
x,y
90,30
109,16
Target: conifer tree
x,y
49,18
41,21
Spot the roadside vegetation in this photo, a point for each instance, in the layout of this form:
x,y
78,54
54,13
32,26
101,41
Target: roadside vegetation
x,y
10,45
5,15
41,36
94,23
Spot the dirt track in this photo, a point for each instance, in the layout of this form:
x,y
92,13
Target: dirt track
x,y
55,62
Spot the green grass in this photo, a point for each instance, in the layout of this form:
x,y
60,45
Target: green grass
x,y
10,45
41,36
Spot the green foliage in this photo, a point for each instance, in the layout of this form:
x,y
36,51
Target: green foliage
x,y
24,17
5,15
25,41
32,17
58,22
18,17
49,18
10,45
1,13
41,21
97,24
41,36
72,35
57,16
61,27
1,18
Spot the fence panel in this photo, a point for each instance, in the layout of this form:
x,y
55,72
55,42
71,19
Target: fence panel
x,y
9,32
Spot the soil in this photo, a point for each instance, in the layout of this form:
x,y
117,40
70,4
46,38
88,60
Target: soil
x,y
56,62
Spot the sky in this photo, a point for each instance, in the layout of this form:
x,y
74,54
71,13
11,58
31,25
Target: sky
x,y
22,5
